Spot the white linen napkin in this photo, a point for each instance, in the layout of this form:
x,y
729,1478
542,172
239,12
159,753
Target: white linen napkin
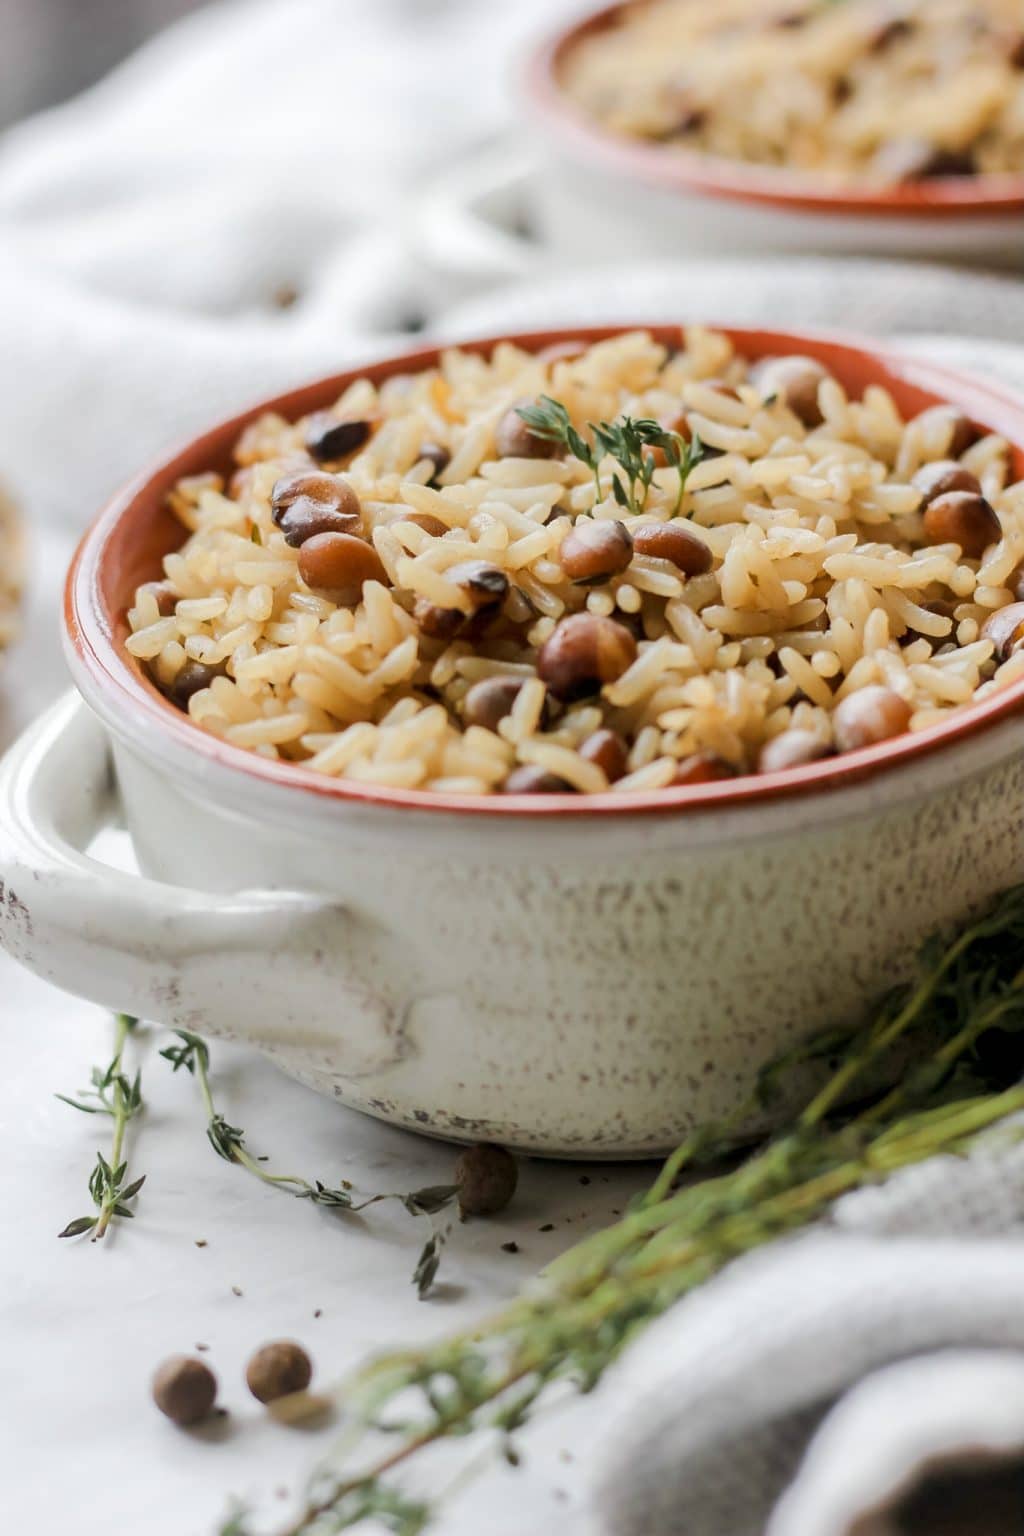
x,y
716,1406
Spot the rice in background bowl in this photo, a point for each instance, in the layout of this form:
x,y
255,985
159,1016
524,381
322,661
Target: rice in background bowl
x,y
841,127
846,90
412,590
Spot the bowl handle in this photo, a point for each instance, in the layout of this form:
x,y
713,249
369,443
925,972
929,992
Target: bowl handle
x,y
255,965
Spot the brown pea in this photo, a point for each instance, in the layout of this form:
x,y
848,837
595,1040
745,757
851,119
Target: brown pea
x,y
582,653
961,433
944,475
437,455
1015,50
592,551
912,159
791,749
795,380
486,587
964,518
314,484
1015,582
483,583
608,750
303,505
437,623
676,542
277,1370
687,118
514,440
1005,628
191,679
165,596
488,702
869,715
184,1389
337,564
893,30
328,438
702,768
305,519
426,521
528,780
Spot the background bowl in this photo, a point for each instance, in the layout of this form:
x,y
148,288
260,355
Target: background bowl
x,y
599,195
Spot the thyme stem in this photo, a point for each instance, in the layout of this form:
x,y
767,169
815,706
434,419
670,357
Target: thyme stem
x,y
228,1141
113,1094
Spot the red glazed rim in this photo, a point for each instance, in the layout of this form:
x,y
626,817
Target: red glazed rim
x,y
125,545
944,198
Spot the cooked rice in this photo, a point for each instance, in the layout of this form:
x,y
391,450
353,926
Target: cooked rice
x,y
848,89
821,582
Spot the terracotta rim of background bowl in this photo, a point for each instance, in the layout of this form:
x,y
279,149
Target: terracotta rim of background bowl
x,y
125,546
952,197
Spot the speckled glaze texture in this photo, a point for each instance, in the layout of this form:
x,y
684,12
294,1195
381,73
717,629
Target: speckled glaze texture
x,y
589,989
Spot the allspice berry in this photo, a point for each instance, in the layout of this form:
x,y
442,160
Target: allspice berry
x,y
277,1370
184,1389
485,1178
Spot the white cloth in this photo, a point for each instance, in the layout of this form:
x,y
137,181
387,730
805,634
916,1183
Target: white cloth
x,y
716,1405
146,227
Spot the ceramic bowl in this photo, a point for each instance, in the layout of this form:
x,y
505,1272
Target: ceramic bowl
x,y
580,976
601,196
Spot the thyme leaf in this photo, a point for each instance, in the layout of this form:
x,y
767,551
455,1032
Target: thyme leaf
x,y
628,442
114,1094
192,1054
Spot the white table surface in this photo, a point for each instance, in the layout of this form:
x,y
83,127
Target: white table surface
x,y
84,1324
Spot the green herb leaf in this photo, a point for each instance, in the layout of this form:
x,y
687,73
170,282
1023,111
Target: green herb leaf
x,y
78,1226
428,1263
430,1200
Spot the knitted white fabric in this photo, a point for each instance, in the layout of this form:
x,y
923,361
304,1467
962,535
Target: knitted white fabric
x,y
717,1404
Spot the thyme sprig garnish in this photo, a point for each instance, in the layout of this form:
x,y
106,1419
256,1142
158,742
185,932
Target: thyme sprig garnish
x,y
628,441
114,1094
959,1023
228,1141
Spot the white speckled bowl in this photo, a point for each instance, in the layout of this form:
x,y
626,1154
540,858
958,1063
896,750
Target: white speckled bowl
x,y
568,975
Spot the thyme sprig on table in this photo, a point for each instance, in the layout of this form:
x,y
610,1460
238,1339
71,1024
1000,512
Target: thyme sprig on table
x,y
628,441
228,1141
114,1094
954,1038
